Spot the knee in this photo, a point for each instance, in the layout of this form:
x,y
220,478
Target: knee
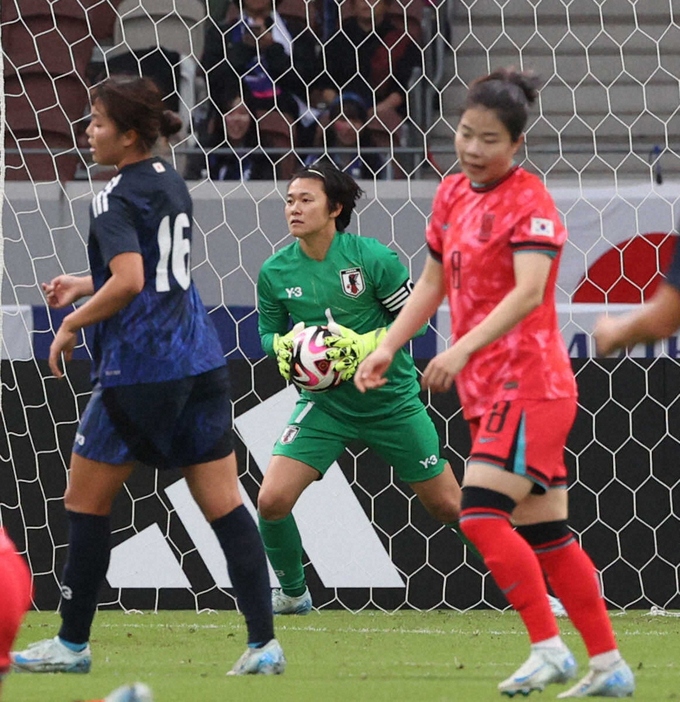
x,y
272,505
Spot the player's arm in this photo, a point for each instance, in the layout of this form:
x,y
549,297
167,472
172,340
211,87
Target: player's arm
x,y
273,324
531,270
64,290
421,304
124,284
657,319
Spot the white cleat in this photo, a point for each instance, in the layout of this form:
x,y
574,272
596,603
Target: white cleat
x,y
268,660
544,666
137,692
556,607
51,656
616,681
285,604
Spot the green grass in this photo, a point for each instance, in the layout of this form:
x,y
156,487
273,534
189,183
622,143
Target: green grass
x,y
333,656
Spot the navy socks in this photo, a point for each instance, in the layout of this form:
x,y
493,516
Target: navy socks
x,y
247,567
89,550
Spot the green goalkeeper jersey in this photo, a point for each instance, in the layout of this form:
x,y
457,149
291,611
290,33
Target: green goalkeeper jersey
x,y
364,285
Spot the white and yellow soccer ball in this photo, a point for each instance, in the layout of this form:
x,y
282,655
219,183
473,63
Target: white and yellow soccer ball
x,y
311,369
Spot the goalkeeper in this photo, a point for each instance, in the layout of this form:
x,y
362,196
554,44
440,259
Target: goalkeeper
x,y
355,286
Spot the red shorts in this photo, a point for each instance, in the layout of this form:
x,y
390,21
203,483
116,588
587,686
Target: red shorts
x,y
15,597
526,437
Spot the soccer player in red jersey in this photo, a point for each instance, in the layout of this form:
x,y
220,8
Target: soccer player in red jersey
x,y
15,598
495,239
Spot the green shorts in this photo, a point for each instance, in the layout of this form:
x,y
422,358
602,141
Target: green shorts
x,y
409,443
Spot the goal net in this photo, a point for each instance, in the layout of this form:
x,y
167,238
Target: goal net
x,y
604,138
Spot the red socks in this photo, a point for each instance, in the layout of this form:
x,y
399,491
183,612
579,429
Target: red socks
x,y
573,578
514,567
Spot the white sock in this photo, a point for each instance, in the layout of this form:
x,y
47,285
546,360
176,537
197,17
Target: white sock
x,y
605,660
553,642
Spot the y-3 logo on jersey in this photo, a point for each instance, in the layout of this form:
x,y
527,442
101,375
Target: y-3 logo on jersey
x,y
294,292
429,461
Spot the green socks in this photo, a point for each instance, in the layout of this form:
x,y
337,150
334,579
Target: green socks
x,y
283,545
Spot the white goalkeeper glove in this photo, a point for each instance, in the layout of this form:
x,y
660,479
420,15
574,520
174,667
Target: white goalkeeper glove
x,y
348,349
283,348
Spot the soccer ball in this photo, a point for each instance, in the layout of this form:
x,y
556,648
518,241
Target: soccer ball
x,y
311,368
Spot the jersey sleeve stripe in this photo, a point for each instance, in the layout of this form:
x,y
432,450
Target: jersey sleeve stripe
x,y
541,246
397,299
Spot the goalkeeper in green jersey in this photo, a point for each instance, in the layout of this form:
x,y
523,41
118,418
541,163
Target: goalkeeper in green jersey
x,y
355,286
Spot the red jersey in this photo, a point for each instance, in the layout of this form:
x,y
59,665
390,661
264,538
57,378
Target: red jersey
x,y
475,233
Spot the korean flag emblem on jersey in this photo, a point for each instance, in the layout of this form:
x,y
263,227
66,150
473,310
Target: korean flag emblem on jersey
x,y
352,281
542,227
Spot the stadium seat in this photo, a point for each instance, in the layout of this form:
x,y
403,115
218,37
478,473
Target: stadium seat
x,y
144,23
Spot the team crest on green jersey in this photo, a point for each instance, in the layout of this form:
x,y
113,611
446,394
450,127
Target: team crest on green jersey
x,y
289,434
352,281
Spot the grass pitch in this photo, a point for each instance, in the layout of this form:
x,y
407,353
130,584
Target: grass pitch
x,y
334,656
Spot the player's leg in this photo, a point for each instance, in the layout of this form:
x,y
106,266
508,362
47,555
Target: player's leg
x,y
15,589
410,444
100,464
88,500
574,580
308,445
284,481
501,474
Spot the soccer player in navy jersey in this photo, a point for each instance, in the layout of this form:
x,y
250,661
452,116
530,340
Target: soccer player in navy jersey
x,y
160,392
657,319
495,239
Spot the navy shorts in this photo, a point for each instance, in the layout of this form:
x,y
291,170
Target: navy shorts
x,y
173,424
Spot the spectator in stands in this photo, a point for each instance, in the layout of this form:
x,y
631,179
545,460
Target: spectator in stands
x,y
347,140
372,57
274,59
230,145
237,130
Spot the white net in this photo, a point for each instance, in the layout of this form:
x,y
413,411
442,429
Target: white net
x,y
602,136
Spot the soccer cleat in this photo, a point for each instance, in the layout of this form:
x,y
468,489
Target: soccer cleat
x,y
285,604
138,692
616,681
543,667
51,656
556,607
268,660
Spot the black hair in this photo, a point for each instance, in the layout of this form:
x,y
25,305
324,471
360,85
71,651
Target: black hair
x,y
509,93
340,188
136,103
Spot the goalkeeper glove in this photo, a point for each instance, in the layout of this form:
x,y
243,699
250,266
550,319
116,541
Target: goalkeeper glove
x,y
348,349
283,348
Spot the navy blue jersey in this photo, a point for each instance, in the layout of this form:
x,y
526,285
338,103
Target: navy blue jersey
x,y
673,272
164,333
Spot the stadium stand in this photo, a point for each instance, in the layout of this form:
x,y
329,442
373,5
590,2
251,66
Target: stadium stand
x,y
45,98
